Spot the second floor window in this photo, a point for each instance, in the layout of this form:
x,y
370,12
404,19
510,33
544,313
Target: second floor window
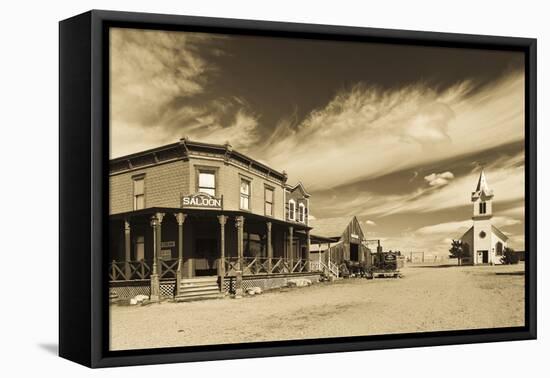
x,y
245,194
269,201
301,213
207,182
292,210
139,193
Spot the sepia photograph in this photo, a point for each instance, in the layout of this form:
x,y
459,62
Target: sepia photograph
x,y
278,189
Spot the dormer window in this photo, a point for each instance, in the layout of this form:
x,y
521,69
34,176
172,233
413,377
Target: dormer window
x,y
292,209
301,213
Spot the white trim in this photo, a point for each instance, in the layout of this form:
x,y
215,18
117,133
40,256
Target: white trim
x,y
301,212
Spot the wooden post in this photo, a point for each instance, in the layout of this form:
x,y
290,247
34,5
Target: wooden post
x,y
269,248
180,218
239,223
221,266
319,256
155,283
290,245
328,252
308,247
159,216
127,250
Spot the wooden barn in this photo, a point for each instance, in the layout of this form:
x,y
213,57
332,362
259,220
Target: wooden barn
x,y
335,240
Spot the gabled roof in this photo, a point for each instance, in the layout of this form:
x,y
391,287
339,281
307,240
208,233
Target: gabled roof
x,y
466,233
300,186
329,227
499,233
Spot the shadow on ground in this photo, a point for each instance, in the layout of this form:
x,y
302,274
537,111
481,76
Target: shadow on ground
x,y
52,348
510,273
433,266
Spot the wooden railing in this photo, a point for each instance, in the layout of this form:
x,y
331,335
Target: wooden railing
x,y
141,270
264,265
167,269
320,266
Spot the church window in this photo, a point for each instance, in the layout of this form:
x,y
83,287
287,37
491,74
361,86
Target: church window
x,y
482,207
482,234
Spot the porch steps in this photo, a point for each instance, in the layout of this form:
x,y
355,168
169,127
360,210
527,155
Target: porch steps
x,y
195,289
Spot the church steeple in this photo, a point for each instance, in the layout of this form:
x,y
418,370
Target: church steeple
x,y
482,198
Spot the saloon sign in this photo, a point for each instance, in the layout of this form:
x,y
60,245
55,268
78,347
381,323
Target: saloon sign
x,y
201,200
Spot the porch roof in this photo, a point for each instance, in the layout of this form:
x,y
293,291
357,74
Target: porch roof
x,y
193,211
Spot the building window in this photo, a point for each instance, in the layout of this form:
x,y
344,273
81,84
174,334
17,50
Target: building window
x,y
245,194
301,213
269,201
139,193
207,182
482,207
292,209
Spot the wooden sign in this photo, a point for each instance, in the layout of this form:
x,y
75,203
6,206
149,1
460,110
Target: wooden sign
x,y
202,200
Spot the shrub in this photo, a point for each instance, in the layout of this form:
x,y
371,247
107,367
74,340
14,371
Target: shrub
x,y
509,256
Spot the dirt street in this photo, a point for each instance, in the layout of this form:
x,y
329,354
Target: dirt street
x,y
427,298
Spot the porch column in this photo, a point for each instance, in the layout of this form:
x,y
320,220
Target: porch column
x,y
155,283
160,217
127,250
239,223
308,246
290,244
221,266
319,256
269,248
328,252
180,218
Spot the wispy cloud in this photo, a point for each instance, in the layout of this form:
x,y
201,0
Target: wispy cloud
x,y
157,80
377,132
506,177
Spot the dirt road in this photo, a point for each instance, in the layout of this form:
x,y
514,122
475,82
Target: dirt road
x,y
428,298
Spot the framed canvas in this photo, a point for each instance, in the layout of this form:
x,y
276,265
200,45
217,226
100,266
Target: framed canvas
x,y
234,188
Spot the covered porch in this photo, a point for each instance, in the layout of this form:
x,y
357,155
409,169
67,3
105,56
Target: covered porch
x,y
163,245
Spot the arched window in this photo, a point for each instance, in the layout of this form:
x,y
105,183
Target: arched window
x,y
292,209
301,213
499,248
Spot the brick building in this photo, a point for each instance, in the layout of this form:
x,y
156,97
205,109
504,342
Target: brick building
x,y
192,212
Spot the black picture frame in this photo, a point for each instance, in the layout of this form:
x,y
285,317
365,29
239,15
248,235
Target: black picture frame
x,y
83,163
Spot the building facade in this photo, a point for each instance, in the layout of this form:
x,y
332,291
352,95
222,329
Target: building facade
x,y
336,241
191,209
483,242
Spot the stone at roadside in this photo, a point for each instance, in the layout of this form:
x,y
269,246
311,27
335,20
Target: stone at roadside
x,y
257,290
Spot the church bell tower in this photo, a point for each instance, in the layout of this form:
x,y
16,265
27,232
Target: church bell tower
x,y
482,199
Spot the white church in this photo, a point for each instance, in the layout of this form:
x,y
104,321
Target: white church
x,y
483,242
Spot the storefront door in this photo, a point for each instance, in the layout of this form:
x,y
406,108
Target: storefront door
x,y
206,257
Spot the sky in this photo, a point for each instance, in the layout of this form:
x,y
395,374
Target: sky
x,y
393,134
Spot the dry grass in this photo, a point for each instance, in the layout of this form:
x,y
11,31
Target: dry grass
x,y
428,298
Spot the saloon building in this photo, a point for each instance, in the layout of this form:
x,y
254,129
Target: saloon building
x,y
193,219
